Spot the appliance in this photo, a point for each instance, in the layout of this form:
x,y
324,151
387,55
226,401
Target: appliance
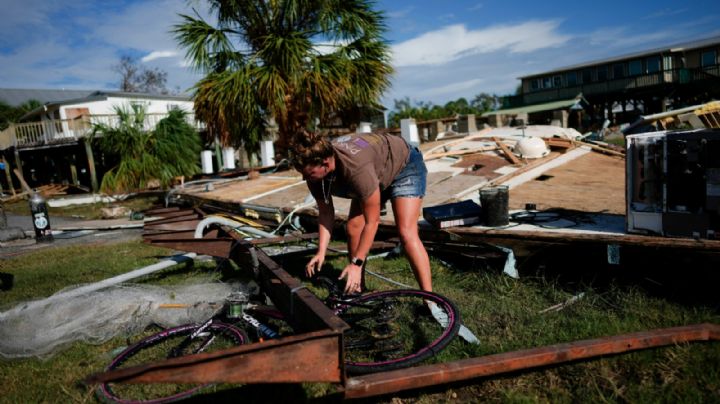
x,y
673,183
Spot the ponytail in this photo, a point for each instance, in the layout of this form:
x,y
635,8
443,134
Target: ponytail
x,y
310,148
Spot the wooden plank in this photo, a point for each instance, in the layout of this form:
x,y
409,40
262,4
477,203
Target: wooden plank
x,y
508,154
24,184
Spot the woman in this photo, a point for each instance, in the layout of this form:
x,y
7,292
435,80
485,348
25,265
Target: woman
x,y
370,169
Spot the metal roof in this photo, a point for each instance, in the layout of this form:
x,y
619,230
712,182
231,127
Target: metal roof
x,y
17,96
528,109
680,47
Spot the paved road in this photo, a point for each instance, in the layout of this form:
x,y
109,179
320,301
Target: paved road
x,y
69,231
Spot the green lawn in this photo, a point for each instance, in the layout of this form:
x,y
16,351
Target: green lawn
x,y
504,313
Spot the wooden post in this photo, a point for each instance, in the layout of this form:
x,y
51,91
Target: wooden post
x,y
91,165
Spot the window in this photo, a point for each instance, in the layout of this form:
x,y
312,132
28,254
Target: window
x,y
535,84
547,82
587,76
571,79
173,107
618,70
557,81
708,58
653,64
602,73
635,68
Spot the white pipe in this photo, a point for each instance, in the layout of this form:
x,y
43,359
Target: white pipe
x,y
228,222
112,281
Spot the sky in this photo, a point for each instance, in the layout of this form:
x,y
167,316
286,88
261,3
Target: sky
x,y
441,50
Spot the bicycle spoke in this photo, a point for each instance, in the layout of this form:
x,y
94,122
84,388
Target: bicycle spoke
x,y
170,343
394,329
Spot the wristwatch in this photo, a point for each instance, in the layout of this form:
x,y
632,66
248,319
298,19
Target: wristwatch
x,y
357,261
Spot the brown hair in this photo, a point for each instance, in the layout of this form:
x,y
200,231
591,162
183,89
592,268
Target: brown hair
x,y
310,148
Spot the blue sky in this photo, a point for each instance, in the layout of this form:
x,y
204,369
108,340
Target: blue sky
x,y
442,50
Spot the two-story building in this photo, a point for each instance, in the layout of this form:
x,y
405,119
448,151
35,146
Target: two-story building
x,y
50,144
620,88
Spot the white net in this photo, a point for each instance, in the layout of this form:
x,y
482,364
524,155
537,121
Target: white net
x,y
42,327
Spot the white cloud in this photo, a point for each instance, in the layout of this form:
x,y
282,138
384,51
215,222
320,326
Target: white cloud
x,y
455,41
400,13
475,7
452,89
666,12
158,54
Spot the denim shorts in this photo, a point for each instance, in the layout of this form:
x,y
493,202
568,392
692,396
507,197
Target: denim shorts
x,y
411,181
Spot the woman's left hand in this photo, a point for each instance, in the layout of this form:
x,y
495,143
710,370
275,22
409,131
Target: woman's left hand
x,y
354,278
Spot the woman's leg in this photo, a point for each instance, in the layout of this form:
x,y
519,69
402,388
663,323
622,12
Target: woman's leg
x,y
355,225
407,211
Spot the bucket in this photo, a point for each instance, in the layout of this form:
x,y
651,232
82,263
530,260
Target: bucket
x,y
494,203
206,160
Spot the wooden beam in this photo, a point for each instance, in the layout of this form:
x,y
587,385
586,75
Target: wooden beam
x,y
91,165
8,176
508,154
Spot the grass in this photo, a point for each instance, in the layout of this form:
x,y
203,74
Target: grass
x,y
504,313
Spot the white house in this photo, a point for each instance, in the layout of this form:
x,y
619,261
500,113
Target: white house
x,y
49,144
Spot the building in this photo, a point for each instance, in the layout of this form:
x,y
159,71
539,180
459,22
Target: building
x,y
50,144
621,88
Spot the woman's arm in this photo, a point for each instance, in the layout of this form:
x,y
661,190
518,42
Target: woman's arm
x,y
326,221
371,214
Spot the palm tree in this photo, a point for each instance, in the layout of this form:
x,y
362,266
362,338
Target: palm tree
x,y
292,61
145,156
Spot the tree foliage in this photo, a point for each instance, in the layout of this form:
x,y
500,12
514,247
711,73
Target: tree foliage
x,y
145,156
139,79
423,111
10,114
293,61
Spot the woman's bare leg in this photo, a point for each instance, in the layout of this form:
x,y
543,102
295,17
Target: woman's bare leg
x,y
407,212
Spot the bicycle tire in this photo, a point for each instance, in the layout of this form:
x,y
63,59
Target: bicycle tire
x,y
156,347
420,335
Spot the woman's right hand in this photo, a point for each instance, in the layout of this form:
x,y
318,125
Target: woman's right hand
x,y
314,265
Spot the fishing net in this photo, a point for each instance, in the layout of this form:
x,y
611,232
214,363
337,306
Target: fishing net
x,y
41,328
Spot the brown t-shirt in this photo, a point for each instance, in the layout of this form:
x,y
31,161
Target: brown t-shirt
x,y
363,163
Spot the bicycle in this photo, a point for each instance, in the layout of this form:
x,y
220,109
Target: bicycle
x,y
388,330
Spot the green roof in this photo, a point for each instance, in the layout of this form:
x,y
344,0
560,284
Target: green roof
x,y
528,109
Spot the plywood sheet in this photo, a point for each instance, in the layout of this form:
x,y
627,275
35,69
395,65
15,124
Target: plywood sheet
x,y
591,183
241,190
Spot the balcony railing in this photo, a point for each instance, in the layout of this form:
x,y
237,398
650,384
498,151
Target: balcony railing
x,y
676,76
32,134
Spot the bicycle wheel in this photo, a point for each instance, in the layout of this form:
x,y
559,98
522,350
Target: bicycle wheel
x,y
396,328
172,342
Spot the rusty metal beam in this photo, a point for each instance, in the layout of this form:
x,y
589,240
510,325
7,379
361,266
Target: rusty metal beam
x,y
287,293
161,211
177,235
284,239
171,214
216,247
185,225
175,219
310,357
442,373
